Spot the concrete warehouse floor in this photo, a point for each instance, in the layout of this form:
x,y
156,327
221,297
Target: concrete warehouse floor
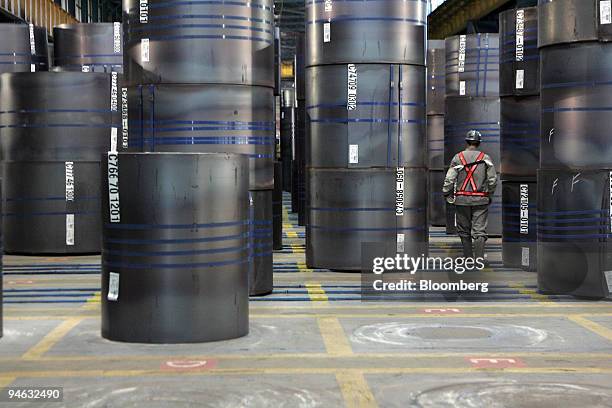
x,y
313,343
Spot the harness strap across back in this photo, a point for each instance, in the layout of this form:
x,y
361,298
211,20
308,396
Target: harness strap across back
x,y
469,178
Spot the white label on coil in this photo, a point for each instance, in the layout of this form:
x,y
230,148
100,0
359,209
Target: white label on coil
x,y
461,88
520,78
117,38
326,32
113,187
113,286
32,67
113,139
399,191
144,50
462,47
32,40
328,5
85,68
608,275
520,35
524,209
144,11
114,97
70,229
525,256
351,87
455,219
400,243
353,154
69,166
124,118
605,12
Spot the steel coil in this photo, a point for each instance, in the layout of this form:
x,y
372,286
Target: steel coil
x,y
360,117
175,258
199,42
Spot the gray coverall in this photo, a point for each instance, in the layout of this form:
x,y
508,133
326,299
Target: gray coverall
x,y
472,211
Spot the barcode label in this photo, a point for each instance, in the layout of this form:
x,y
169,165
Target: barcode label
x,y
328,5
124,117
32,40
70,229
144,11
326,32
524,209
144,50
353,154
351,87
461,88
113,286
117,38
399,191
520,78
525,256
520,35
85,68
114,96
400,243
69,170
113,187
605,12
462,47
32,67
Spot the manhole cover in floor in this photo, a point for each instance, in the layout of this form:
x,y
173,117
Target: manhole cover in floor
x,y
514,395
418,335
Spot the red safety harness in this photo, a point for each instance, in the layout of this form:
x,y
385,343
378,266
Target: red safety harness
x,y
469,178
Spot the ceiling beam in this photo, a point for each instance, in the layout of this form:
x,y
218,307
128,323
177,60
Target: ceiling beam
x,y
452,16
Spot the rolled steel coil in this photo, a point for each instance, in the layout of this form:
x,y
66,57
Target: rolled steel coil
x,y
570,21
574,231
261,242
176,241
206,118
54,128
287,130
277,207
435,141
576,106
94,47
389,31
347,207
519,64
436,77
519,224
520,136
437,202
465,114
199,42
24,48
472,65
360,117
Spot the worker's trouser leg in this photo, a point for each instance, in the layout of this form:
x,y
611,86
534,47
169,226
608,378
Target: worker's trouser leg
x,y
480,216
472,224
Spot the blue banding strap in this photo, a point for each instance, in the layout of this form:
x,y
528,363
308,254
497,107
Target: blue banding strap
x,y
366,229
174,266
575,84
153,27
349,18
62,198
174,3
174,226
174,241
579,109
362,209
174,253
38,214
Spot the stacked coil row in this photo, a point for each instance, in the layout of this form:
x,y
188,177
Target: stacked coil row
x,y
365,108
277,195
55,125
436,69
298,173
575,174
287,133
24,48
519,82
200,79
472,102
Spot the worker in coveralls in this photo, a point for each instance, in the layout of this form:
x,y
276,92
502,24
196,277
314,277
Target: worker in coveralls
x,y
469,184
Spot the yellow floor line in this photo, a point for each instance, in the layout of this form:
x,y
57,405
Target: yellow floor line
x,y
596,328
302,267
316,292
355,391
292,234
51,339
336,342
92,302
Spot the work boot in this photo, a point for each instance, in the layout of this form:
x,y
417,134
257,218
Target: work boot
x,y
466,242
479,249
